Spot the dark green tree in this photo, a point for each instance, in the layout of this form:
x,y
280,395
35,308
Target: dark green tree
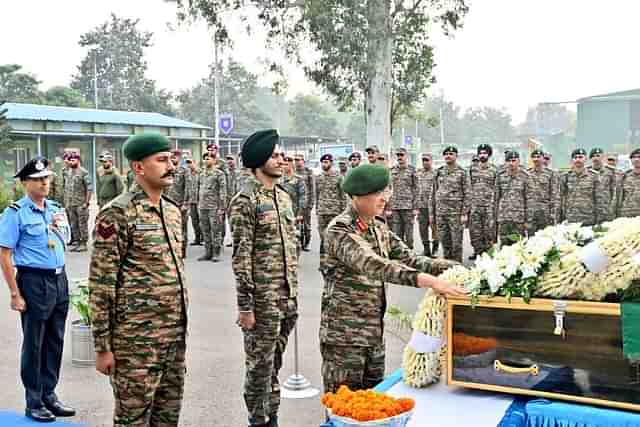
x,y
115,53
374,54
16,86
5,129
64,96
310,116
237,96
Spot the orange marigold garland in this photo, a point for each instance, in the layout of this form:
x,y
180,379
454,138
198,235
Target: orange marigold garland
x,y
365,405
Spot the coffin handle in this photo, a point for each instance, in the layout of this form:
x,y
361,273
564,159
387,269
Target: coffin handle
x,y
501,367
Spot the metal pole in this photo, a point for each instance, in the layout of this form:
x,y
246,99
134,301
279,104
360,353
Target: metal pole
x,y
216,101
95,79
441,127
297,386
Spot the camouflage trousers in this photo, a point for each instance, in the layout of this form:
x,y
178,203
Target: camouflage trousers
x,y
323,223
540,219
450,230
211,225
79,222
423,226
401,222
184,212
148,385
482,229
195,222
264,346
306,234
357,367
509,232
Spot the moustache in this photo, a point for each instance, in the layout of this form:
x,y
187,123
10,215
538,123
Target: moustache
x,y
168,174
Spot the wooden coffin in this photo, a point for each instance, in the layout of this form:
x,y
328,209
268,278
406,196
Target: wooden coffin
x,y
570,350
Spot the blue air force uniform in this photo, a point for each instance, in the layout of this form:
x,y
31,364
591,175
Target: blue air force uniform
x,y
37,245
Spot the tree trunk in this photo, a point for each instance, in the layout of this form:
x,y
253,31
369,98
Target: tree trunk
x,y
378,96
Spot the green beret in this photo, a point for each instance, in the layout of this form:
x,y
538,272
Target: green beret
x,y
450,149
512,155
537,152
594,151
578,151
635,152
258,147
137,147
366,179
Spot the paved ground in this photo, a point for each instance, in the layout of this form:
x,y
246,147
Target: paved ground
x,y
213,391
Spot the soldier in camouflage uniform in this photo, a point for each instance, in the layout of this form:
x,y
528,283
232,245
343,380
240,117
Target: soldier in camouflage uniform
x,y
363,255
354,159
372,154
425,177
511,200
233,176
212,203
612,164
628,204
178,191
310,191
582,198
607,181
482,186
330,200
192,184
543,199
265,264
450,204
137,294
77,197
404,199
109,183
342,167
56,186
294,185
244,176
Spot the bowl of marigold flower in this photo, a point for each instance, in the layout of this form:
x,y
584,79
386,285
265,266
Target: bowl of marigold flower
x,y
348,408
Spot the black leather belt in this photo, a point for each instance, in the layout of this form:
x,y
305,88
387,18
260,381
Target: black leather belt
x,y
45,271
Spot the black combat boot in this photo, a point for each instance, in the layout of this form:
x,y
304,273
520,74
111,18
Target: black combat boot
x,y
427,249
207,254
435,245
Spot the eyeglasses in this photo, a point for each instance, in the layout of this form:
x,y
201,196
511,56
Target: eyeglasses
x,y
547,158
382,158
189,161
400,154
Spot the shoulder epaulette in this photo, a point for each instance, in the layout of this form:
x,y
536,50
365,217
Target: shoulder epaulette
x,y
381,219
123,200
15,206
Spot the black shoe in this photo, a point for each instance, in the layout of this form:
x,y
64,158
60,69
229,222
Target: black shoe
x,y
473,257
306,249
196,243
58,409
228,245
41,415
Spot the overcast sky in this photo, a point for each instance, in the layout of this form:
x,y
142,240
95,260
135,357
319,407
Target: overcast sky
x,y
511,53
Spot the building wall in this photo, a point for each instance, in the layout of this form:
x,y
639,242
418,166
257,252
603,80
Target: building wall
x,y
603,124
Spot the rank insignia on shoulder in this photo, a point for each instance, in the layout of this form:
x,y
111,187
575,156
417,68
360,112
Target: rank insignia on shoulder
x,y
361,225
15,206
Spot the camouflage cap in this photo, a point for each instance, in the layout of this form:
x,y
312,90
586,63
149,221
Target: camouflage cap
x,y
450,149
537,152
372,148
401,150
635,152
366,179
578,152
258,147
137,147
595,150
